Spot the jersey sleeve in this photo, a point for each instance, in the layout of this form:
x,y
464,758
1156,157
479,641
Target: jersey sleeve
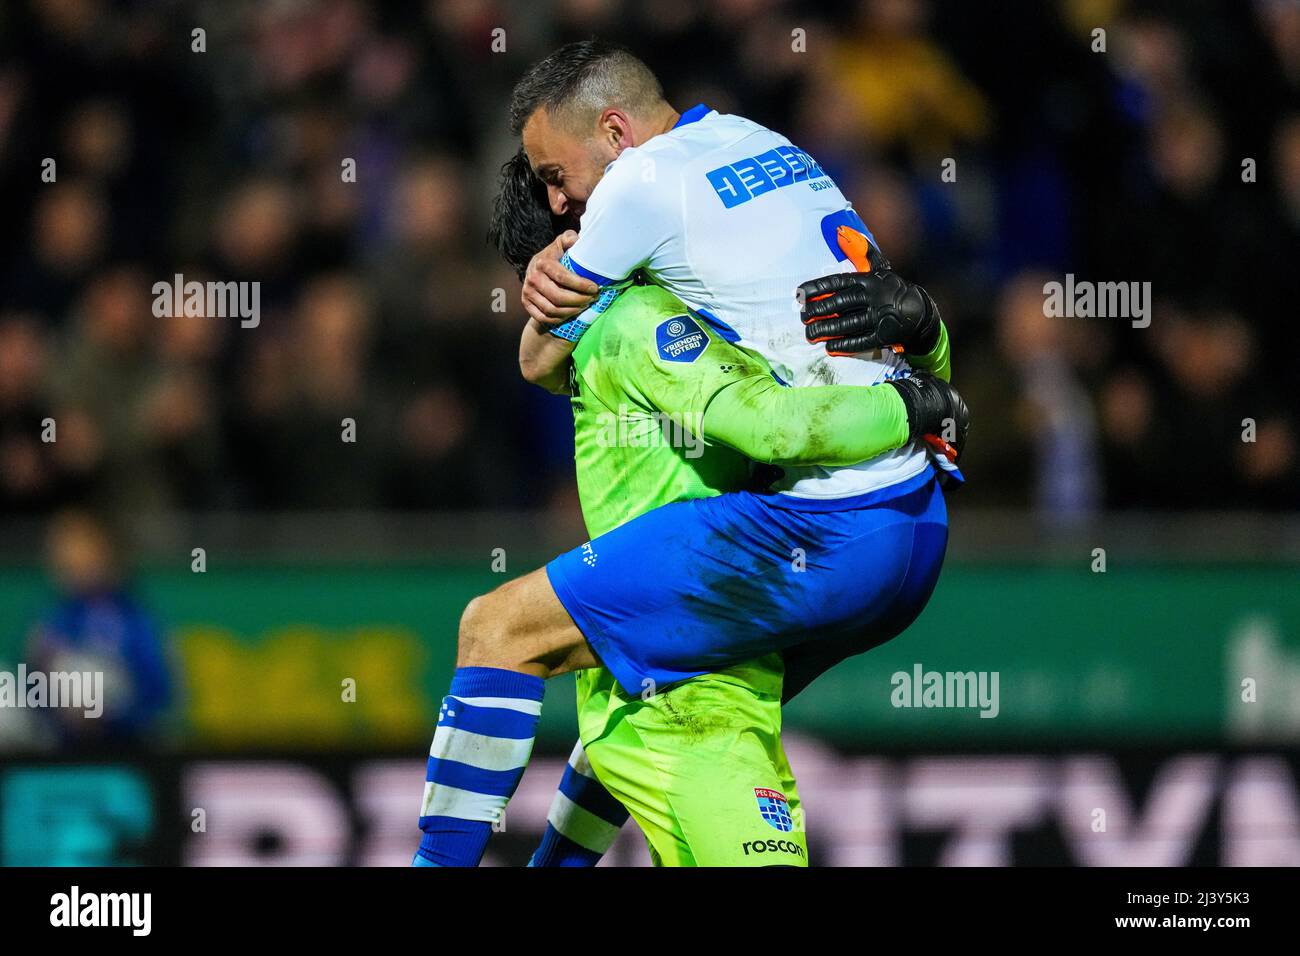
x,y
829,425
632,211
937,360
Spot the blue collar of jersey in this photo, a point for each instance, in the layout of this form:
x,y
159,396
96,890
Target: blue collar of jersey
x,y
697,112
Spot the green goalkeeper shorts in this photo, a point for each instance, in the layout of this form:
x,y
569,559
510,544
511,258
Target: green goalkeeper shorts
x,y
700,765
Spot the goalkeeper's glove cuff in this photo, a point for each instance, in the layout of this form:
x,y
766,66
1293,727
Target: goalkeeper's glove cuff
x,y
934,408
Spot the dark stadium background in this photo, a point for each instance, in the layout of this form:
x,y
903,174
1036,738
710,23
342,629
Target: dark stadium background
x,y
1162,691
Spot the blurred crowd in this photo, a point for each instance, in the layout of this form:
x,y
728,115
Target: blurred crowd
x,y
1173,156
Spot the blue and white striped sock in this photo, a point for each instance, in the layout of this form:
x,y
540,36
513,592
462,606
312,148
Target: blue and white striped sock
x,y
584,819
484,738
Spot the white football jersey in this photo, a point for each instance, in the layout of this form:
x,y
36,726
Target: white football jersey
x,y
731,217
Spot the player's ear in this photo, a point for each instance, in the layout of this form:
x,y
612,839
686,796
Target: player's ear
x,y
615,130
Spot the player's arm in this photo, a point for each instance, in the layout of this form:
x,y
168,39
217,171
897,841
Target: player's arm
x,y
820,425
833,424
544,359
553,293
683,368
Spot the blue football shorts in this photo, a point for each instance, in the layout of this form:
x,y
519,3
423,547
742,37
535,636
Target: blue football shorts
x,y
695,586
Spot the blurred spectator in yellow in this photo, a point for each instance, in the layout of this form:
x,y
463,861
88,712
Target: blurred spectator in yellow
x,y
904,89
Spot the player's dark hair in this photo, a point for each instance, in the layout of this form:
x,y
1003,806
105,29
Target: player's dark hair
x,y
587,74
522,223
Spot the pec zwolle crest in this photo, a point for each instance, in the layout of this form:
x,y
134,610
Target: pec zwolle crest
x,y
775,808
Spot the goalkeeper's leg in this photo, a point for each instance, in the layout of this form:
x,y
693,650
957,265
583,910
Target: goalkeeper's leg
x,y
701,768
584,818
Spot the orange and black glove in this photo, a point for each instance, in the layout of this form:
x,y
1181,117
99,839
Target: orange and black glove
x,y
872,308
855,312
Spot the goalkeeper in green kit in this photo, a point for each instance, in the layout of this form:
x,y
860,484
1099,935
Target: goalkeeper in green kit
x,y
698,763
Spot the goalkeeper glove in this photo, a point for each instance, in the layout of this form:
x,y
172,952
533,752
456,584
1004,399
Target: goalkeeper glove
x,y
861,311
936,413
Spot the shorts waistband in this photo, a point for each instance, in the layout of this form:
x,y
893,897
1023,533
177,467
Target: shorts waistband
x,y
874,497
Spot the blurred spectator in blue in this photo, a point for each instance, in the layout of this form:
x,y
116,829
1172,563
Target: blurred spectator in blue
x,y
98,626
